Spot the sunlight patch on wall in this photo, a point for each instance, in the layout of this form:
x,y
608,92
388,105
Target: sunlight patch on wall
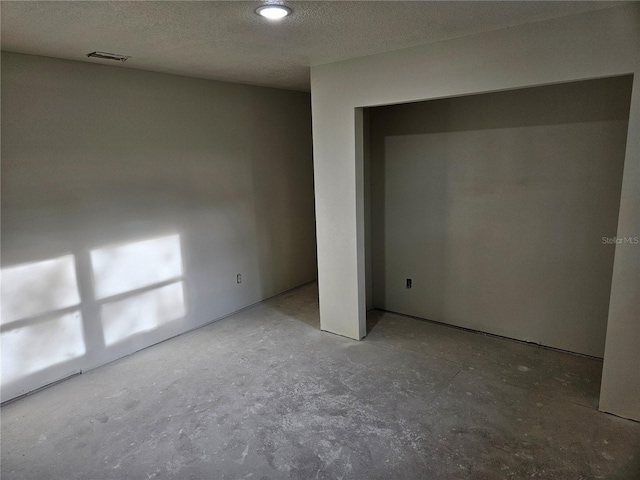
x,y
36,288
136,265
31,348
139,286
142,313
41,321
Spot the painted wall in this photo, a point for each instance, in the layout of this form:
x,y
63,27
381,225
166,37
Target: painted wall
x,y
591,45
495,205
130,202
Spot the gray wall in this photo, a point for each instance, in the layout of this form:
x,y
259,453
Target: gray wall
x,y
495,205
592,45
216,177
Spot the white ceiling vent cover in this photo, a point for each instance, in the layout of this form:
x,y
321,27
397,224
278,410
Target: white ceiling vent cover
x,y
108,56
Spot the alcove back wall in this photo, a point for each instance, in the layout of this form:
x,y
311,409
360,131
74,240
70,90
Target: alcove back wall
x,y
496,206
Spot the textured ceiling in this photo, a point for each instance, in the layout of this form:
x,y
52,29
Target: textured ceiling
x,y
228,41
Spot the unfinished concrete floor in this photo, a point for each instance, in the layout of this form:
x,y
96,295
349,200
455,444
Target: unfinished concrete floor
x,y
264,395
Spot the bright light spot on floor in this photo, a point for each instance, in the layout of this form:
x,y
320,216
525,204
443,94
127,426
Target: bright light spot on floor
x,y
136,265
32,348
36,288
142,312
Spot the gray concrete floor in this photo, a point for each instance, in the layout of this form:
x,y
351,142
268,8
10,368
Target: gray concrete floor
x,y
264,395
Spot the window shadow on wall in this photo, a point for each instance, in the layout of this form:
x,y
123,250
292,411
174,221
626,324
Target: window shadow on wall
x,y
138,288
41,320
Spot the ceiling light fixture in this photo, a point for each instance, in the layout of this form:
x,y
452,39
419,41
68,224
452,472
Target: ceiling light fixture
x,y
273,12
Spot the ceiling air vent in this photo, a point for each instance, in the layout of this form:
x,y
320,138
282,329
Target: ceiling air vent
x,y
108,56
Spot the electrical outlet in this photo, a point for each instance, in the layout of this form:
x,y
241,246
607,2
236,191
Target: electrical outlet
x,y
409,282
239,278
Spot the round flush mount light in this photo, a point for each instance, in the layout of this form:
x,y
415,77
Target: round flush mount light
x,y
273,12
